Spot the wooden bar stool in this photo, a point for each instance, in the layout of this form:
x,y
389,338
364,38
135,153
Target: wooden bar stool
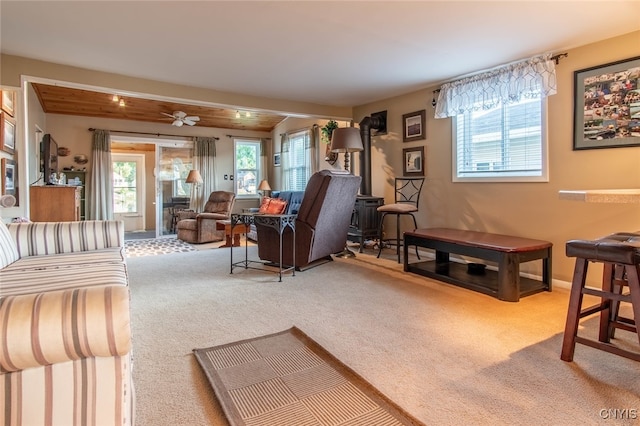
x,y
620,255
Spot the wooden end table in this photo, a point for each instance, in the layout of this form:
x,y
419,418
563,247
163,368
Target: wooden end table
x,y
238,228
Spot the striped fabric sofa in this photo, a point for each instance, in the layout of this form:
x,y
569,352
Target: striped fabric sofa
x,y
65,338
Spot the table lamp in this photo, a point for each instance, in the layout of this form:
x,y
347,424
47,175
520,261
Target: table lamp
x,y
265,188
347,140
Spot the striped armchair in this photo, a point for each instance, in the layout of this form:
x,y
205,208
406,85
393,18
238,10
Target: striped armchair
x,y
64,324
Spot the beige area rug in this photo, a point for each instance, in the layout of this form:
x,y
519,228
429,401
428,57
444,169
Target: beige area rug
x,y
287,379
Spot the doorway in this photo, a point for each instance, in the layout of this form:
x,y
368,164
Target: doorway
x,y
164,165
128,191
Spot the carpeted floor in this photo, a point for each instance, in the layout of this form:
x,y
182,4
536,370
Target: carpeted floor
x,y
446,355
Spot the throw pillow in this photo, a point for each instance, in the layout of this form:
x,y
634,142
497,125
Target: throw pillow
x,y
276,206
264,205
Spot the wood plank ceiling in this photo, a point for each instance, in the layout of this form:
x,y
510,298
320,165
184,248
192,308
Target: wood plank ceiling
x,y
71,101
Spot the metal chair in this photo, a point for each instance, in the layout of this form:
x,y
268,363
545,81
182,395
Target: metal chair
x,y
406,202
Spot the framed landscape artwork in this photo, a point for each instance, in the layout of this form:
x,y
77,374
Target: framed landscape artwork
x,y
607,105
414,126
9,177
7,133
8,102
276,159
413,161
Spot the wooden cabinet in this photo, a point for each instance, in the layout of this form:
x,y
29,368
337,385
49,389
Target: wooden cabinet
x,y
53,203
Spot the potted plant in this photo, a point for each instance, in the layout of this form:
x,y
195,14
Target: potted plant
x,y
326,132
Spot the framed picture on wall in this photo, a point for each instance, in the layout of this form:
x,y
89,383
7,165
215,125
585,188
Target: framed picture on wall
x,y
8,102
9,176
7,133
413,161
607,105
414,126
277,160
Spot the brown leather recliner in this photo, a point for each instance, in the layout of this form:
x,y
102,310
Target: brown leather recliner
x,y
322,223
201,227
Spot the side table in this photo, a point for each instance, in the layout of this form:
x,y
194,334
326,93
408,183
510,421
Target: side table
x,y
229,231
279,222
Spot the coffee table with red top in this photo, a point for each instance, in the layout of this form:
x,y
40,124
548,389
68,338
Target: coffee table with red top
x,y
239,228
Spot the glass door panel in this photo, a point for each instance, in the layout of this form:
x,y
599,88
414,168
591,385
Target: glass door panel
x,y
173,193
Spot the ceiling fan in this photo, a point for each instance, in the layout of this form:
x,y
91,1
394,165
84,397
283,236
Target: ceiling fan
x,y
180,118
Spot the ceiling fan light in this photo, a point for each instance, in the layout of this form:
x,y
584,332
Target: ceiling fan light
x,y
177,123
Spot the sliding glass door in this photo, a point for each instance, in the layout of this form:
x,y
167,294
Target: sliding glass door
x,y
173,194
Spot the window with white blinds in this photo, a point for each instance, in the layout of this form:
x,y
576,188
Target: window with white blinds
x,y
296,167
507,143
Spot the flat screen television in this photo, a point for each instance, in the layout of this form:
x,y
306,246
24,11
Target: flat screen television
x,y
48,157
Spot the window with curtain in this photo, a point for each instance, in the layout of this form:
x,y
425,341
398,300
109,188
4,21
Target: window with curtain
x,y
297,165
499,121
247,167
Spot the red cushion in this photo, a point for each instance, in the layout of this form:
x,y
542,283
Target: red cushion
x,y
264,205
276,206
272,206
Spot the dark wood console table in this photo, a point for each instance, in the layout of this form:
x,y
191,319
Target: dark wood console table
x,y
508,251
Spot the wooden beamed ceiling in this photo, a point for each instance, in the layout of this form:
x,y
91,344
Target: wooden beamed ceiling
x,y
70,101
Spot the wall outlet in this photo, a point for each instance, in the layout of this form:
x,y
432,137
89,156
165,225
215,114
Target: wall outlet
x,y
226,177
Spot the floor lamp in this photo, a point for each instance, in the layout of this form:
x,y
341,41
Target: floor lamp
x,y
347,140
195,178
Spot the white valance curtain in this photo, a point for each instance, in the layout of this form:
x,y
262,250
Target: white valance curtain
x,y
203,161
101,185
532,78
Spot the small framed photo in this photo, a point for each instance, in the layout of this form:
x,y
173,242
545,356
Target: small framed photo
x,y
606,103
7,133
8,102
9,176
413,161
414,126
276,160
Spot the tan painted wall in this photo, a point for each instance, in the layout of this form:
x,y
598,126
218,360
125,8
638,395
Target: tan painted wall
x,y
525,209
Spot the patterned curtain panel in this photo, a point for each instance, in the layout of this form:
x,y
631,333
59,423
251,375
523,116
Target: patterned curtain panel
x,y
532,78
314,137
101,184
204,162
265,155
284,162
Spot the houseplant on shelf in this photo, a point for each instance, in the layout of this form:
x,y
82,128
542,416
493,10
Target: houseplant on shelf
x,y
325,137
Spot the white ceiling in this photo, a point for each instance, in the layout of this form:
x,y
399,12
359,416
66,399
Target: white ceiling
x,y
325,52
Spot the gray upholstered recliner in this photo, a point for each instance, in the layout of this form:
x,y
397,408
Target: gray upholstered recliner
x,y
322,223
201,227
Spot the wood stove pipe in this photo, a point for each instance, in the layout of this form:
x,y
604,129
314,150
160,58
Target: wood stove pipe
x,y
368,123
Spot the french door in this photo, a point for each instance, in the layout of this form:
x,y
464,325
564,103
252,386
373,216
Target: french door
x,y
128,190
